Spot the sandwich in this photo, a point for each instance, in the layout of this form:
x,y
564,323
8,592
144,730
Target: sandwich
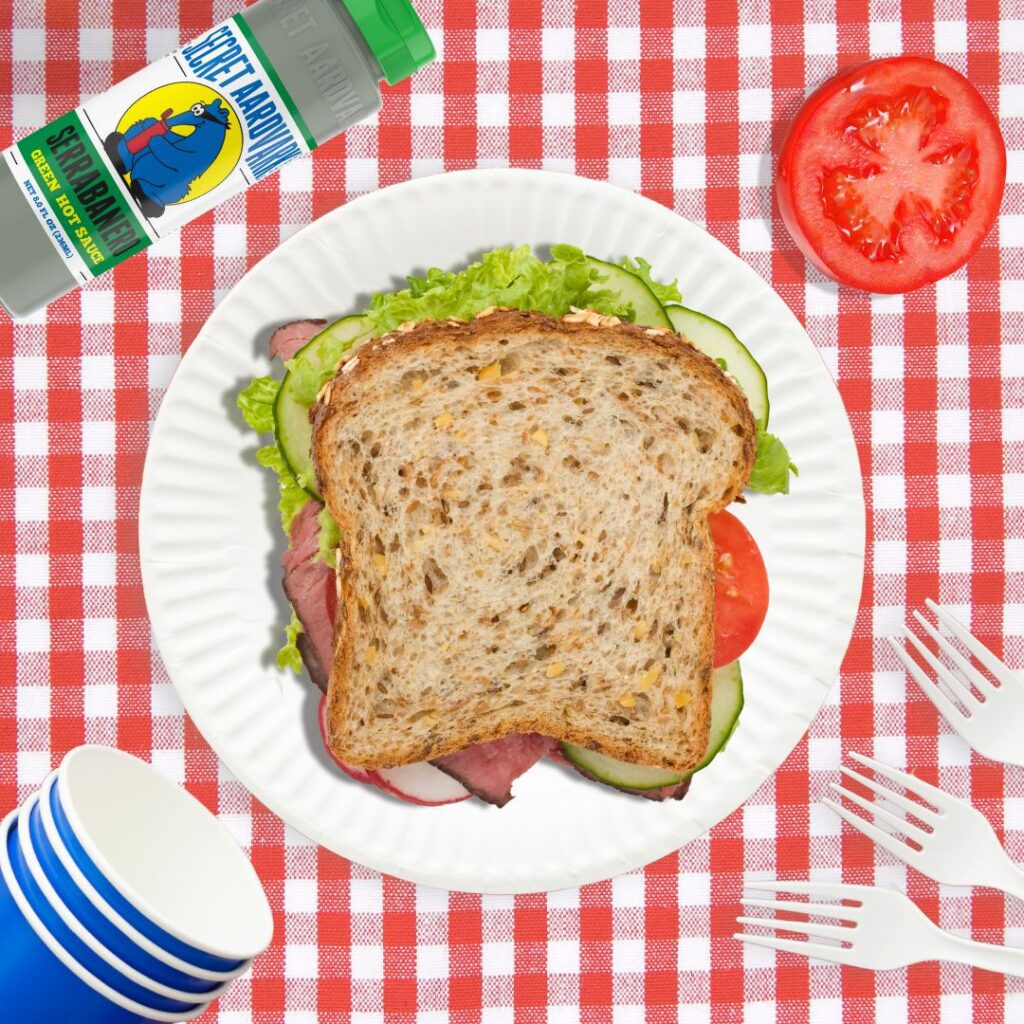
x,y
502,547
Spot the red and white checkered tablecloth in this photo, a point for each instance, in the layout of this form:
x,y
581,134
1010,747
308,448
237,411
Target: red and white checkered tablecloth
x,y
686,102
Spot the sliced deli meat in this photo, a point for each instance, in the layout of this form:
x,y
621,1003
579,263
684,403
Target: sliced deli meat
x,y
309,584
676,792
488,770
289,338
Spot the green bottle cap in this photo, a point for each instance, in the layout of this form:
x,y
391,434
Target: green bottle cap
x,y
396,35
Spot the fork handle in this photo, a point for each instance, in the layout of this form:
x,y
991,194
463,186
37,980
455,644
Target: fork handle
x,y
1010,880
1000,959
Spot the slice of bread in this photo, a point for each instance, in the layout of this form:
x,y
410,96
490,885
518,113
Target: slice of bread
x,y
523,503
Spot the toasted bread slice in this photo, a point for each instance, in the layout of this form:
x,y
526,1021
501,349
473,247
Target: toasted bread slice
x,y
523,503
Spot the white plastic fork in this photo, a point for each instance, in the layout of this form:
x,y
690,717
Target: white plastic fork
x,y
958,846
884,930
993,723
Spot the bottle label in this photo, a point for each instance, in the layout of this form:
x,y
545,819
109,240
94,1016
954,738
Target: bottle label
x,y
158,149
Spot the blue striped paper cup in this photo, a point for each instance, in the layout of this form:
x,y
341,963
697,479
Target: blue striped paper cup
x,y
42,981
77,939
102,921
160,860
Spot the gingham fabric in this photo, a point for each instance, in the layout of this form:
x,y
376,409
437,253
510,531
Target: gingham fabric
x,y
686,102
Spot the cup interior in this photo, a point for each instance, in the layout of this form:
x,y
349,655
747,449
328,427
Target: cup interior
x,y
95,930
135,919
164,853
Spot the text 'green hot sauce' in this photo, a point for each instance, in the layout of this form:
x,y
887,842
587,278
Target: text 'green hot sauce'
x,y
178,137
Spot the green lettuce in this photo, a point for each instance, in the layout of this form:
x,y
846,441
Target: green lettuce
x,y
772,467
512,277
664,293
289,656
291,496
329,536
257,403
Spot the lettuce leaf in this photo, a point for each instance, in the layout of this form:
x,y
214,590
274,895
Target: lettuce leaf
x,y
664,293
502,277
257,403
330,536
292,496
289,656
772,467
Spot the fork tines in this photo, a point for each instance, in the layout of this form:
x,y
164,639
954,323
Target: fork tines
x,y
985,707
972,687
999,671
827,940
927,815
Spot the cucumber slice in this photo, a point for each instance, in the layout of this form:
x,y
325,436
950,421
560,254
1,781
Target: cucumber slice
x,y
648,311
714,339
619,773
291,408
726,705
294,436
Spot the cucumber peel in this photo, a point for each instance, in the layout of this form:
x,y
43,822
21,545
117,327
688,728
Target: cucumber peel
x,y
716,340
632,290
291,408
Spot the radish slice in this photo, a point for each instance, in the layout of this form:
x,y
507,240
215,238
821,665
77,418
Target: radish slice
x,y
421,783
352,771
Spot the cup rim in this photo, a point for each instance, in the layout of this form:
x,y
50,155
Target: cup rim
x,y
104,866
86,887
84,935
64,956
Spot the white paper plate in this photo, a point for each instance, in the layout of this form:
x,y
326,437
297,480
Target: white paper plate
x,y
210,543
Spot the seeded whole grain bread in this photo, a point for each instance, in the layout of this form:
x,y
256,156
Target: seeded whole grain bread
x,y
523,503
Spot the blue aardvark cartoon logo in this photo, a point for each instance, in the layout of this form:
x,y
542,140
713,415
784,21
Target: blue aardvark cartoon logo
x,y
175,157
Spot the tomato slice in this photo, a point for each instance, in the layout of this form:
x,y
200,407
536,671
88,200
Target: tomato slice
x,y
741,588
892,174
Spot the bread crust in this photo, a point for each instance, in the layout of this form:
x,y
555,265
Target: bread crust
x,y
372,357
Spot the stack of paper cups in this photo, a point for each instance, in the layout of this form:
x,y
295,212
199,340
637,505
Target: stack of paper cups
x,y
122,899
